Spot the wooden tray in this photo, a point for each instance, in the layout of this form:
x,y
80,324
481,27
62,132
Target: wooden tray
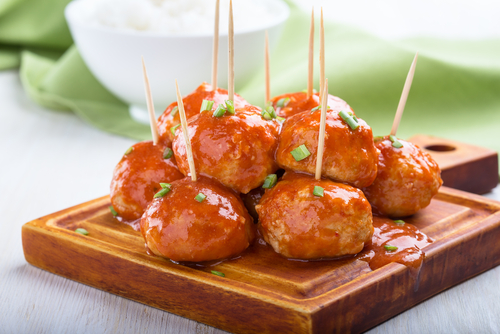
x,y
263,292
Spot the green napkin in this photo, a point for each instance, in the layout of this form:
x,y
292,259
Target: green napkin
x,y
455,92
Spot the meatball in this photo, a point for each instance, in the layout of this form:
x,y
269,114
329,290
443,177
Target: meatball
x,y
349,156
287,105
183,227
298,224
406,182
137,176
238,150
192,106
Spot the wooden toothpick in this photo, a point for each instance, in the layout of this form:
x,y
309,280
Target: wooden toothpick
x,y
321,57
230,38
215,51
311,58
404,96
182,113
322,129
149,102
266,69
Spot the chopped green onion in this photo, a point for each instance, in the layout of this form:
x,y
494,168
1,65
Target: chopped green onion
x,y
266,115
280,119
172,129
270,181
167,153
395,142
282,102
378,138
206,105
271,111
218,273
399,222
300,153
129,150
349,120
174,111
230,106
200,197
165,185
82,231
162,192
318,191
220,111
113,211
390,248
315,108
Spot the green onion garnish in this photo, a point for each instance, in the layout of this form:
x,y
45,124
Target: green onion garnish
x,y
390,248
220,111
162,192
113,211
270,181
206,105
300,153
200,197
82,231
167,153
399,222
349,120
165,185
395,142
172,129
266,115
315,108
218,273
230,106
282,102
318,191
280,119
129,150
174,111
271,111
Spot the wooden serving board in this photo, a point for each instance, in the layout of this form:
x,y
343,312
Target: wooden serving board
x,y
263,292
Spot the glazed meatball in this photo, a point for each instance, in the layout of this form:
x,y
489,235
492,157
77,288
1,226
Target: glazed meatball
x,y
192,106
349,156
287,105
298,224
238,150
137,176
406,182
182,227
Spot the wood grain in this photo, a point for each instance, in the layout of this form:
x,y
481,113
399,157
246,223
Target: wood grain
x,y
463,166
261,287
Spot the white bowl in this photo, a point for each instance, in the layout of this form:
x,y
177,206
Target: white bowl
x,y
114,57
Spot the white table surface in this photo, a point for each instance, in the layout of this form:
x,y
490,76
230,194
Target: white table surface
x,y
51,160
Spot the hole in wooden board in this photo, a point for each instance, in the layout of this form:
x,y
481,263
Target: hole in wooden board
x,y
440,148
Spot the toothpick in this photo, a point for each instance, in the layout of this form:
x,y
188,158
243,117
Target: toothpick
x,y
189,151
322,129
149,102
404,96
321,57
266,67
215,51
230,40
311,58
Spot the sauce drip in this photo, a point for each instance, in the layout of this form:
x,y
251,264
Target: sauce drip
x,y
406,237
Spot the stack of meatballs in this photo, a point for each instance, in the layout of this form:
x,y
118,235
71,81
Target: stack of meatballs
x,y
258,165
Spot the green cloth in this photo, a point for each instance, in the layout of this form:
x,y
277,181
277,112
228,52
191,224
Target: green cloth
x,y
455,92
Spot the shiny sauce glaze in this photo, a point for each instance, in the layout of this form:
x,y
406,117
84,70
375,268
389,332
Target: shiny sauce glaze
x,y
393,242
192,106
238,150
295,103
